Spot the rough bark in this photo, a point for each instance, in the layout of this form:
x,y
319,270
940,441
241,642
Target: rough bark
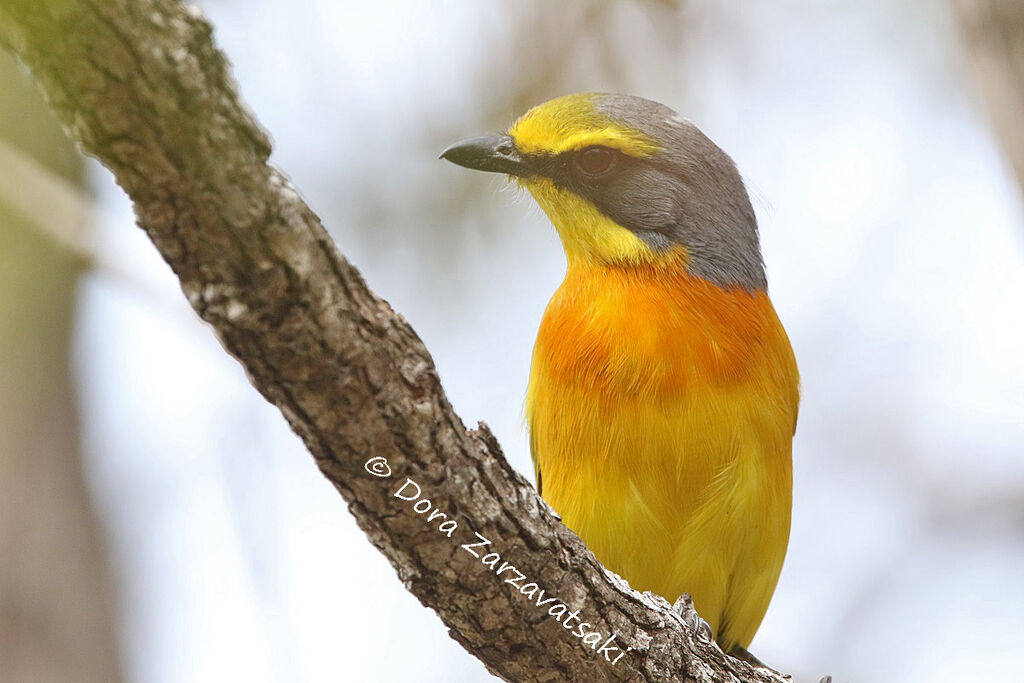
x,y
56,614
994,34
141,86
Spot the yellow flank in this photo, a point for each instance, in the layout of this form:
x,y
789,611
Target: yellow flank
x,y
571,122
661,411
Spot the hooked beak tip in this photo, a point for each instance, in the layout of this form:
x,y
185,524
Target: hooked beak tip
x,y
493,153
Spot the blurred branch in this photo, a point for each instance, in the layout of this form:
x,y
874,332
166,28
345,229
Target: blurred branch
x,y
140,85
52,204
62,212
57,593
994,32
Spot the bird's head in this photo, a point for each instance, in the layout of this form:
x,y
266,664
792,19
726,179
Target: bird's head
x,y
628,181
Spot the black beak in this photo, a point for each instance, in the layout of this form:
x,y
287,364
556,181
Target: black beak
x,y
495,153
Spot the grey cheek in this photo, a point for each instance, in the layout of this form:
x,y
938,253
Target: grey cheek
x,y
655,240
649,201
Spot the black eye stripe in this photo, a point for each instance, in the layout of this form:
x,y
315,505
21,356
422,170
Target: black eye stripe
x,y
564,168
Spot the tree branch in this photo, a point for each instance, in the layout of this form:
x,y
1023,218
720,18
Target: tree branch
x,y
993,32
141,86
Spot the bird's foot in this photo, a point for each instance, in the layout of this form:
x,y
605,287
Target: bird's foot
x,y
743,654
684,608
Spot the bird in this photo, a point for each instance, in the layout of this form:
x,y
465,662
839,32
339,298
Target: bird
x,y
663,392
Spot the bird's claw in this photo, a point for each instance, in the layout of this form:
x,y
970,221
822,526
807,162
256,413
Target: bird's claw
x,y
684,608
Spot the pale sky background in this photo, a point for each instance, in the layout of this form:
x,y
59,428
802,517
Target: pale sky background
x,y
894,240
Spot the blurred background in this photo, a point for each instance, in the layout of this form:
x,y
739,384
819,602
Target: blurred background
x,y
160,523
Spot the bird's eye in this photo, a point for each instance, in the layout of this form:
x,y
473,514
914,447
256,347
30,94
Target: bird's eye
x,y
595,160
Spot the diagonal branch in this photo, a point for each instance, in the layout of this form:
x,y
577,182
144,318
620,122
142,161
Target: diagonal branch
x,y
993,34
993,37
140,85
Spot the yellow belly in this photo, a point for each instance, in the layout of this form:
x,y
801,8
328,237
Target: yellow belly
x,y
661,431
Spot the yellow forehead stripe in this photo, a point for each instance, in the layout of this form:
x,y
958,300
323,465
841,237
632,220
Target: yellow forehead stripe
x,y
572,122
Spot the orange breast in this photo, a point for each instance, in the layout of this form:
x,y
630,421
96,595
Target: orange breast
x,y
653,329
